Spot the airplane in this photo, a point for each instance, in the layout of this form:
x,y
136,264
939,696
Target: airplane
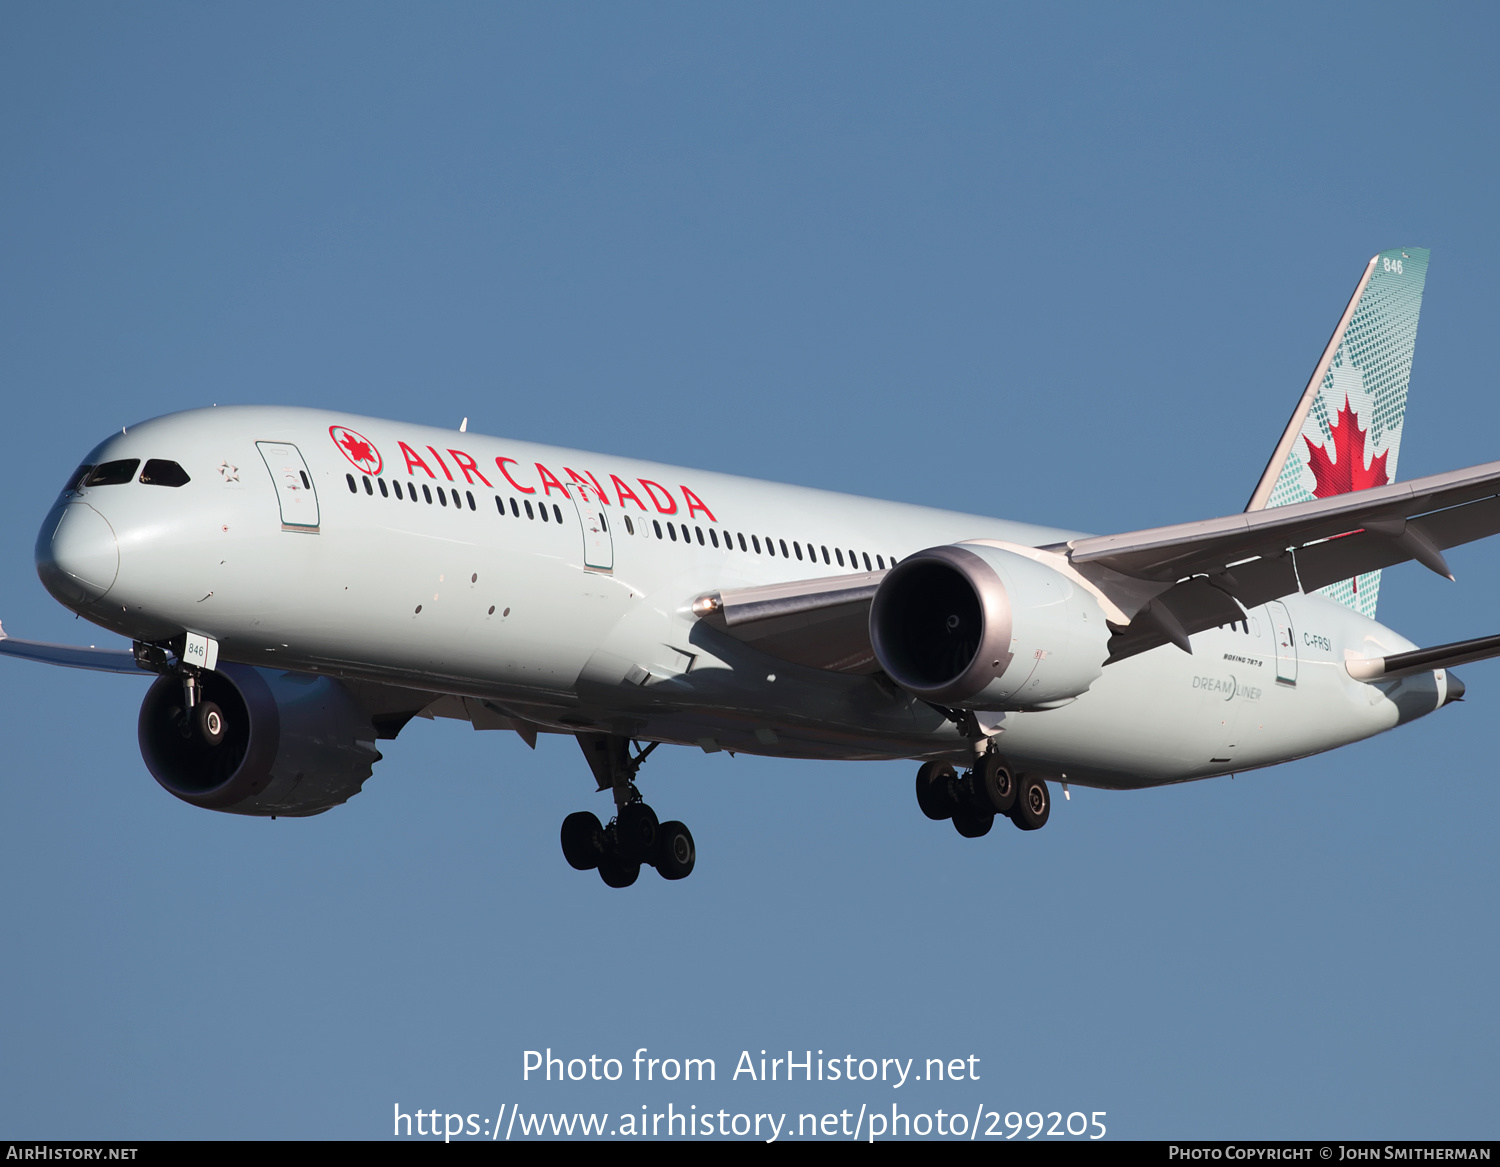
x,y
299,584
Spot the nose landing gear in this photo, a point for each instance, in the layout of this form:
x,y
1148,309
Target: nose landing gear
x,y
634,837
973,800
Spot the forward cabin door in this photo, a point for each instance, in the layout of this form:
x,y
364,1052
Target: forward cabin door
x,y
294,486
598,541
1286,642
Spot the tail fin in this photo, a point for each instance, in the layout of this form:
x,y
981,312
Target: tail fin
x,y
1357,394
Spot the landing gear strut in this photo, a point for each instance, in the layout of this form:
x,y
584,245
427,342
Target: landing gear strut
x,y
973,800
634,836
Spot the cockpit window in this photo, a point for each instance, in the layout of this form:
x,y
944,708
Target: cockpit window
x,y
113,473
160,472
77,479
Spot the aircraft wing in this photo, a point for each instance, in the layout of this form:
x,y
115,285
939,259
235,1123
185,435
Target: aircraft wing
x,y
1163,584
1170,582
822,623
104,660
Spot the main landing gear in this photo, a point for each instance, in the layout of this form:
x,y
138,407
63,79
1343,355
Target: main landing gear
x,y
634,836
973,800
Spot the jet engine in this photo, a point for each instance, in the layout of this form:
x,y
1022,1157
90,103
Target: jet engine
x,y
978,627
258,741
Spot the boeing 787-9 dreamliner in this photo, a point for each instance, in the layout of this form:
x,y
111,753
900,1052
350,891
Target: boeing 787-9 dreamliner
x,y
300,584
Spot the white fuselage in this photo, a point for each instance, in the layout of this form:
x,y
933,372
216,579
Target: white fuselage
x,y
585,625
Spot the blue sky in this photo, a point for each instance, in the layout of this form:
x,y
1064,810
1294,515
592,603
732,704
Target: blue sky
x,y
1067,264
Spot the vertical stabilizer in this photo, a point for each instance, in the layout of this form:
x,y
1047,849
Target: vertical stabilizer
x,y
1345,433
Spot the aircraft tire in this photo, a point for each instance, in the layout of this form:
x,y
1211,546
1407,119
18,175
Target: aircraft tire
x,y
972,824
636,831
618,874
935,790
582,840
993,785
1033,803
675,853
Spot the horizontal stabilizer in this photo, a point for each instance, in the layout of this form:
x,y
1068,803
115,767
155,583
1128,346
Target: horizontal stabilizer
x,y
103,660
1425,660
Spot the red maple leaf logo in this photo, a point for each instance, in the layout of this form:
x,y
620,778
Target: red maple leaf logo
x,y
357,448
1345,472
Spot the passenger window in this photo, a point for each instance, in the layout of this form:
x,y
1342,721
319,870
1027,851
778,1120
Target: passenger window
x,y
770,546
840,554
514,510
556,510
629,526
427,494
368,488
868,566
411,491
469,494
880,563
353,489
529,515
160,472
672,531
713,536
854,561
756,540
542,510
826,559
742,542
113,473
797,547
442,496
396,486
83,472
700,535
784,555
384,492
500,506
687,536
656,525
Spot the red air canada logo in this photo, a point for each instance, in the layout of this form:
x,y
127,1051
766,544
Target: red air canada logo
x,y
1345,471
357,448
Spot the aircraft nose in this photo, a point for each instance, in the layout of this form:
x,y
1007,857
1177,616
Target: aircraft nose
x,y
79,558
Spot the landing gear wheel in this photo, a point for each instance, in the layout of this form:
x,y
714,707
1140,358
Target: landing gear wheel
x,y
935,790
209,720
972,824
583,841
618,874
675,853
993,784
1033,803
636,830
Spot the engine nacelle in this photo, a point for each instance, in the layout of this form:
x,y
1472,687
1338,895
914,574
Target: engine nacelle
x,y
979,627
283,744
